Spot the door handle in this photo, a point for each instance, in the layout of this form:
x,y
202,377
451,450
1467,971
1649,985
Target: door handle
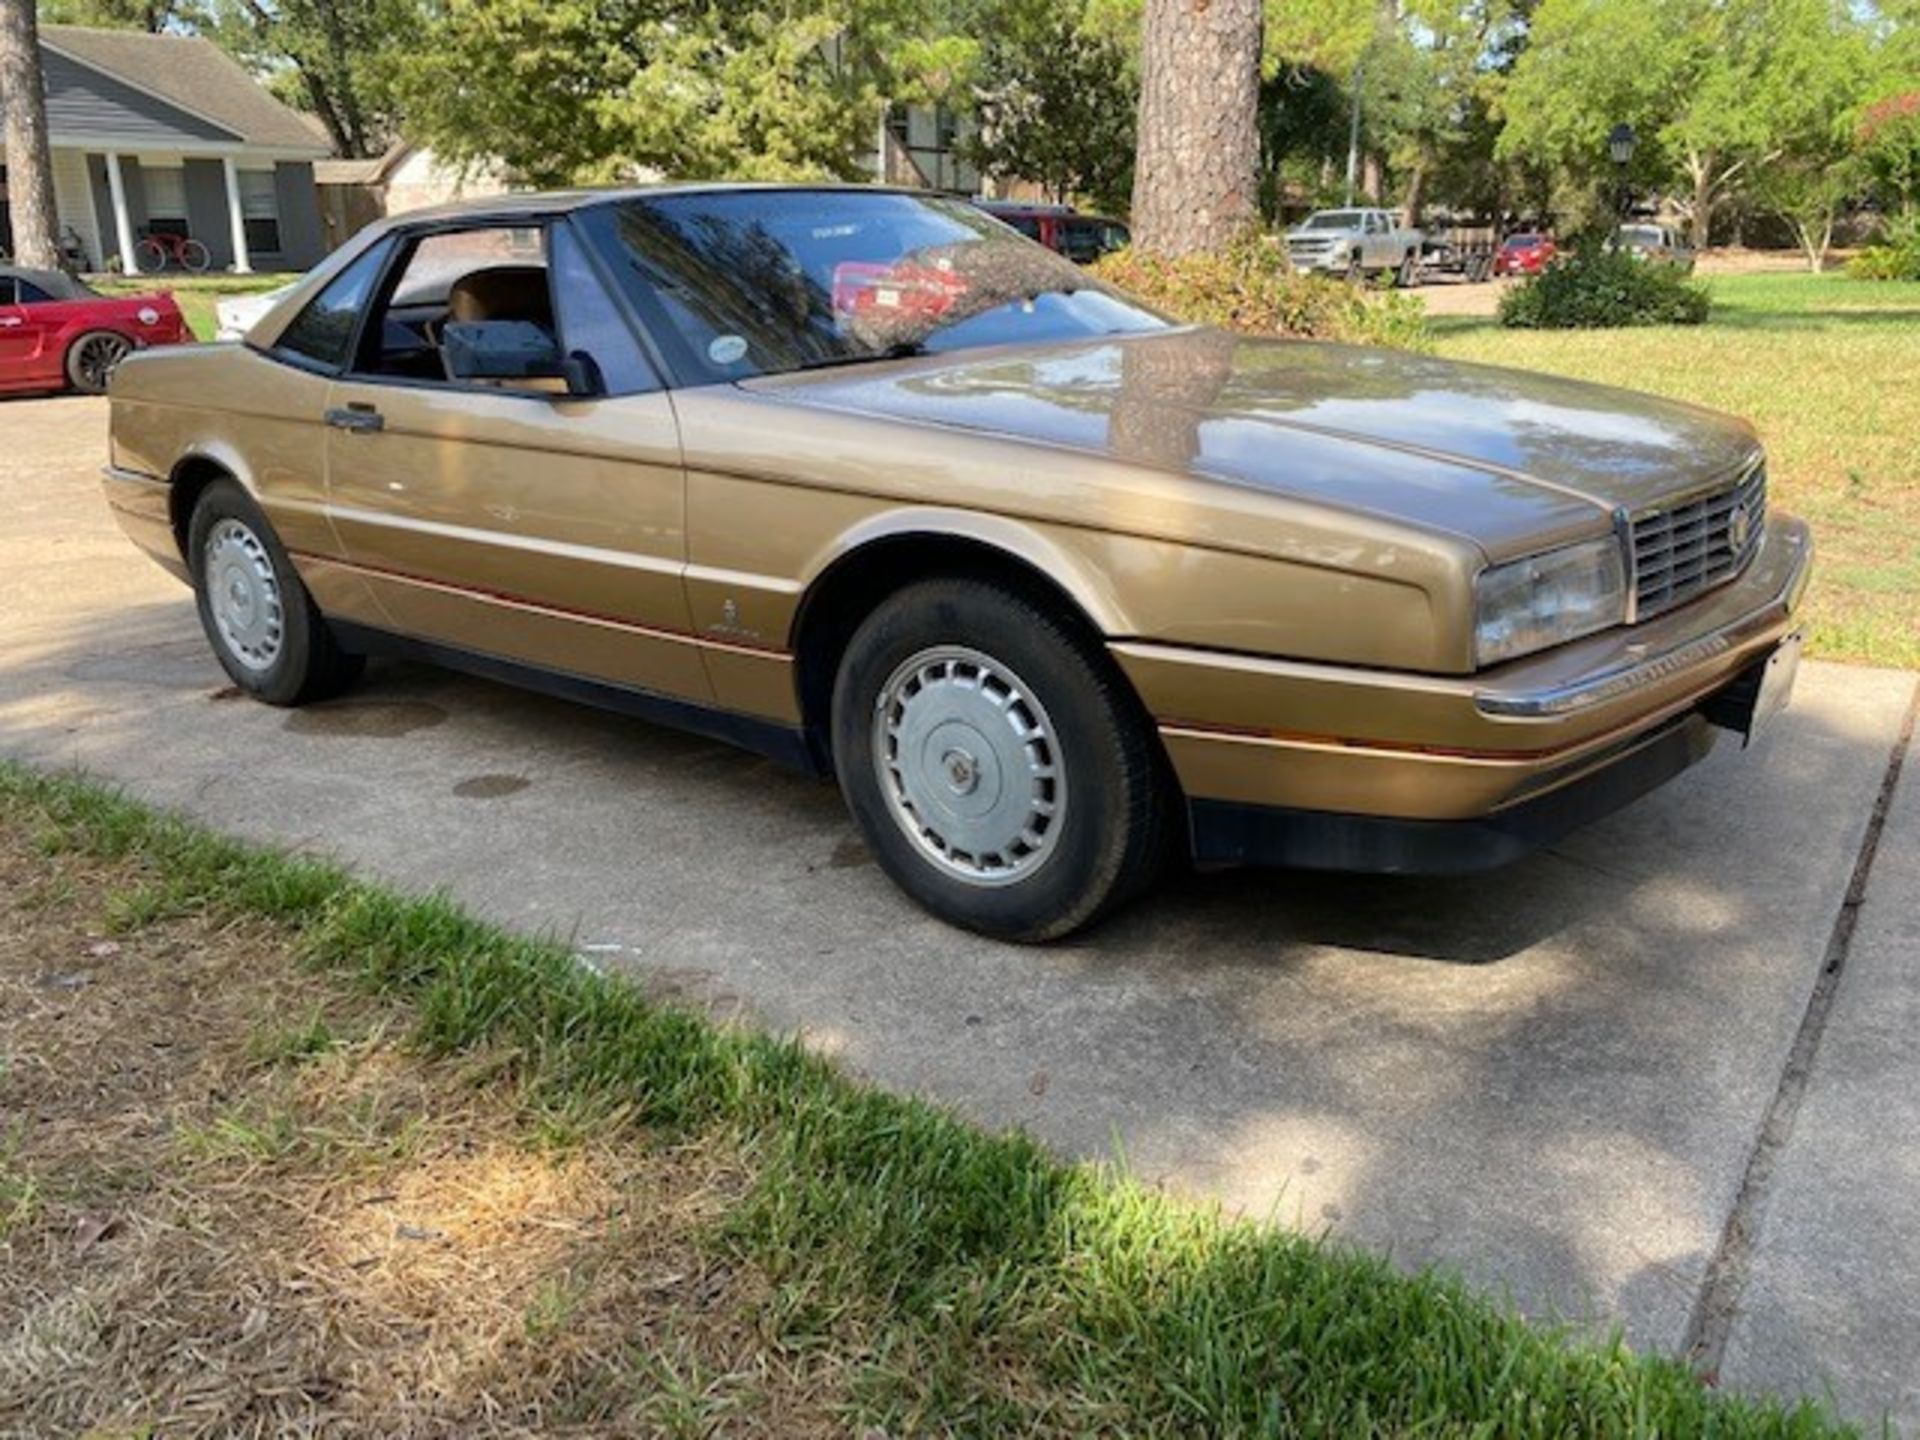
x,y
362,418
9,321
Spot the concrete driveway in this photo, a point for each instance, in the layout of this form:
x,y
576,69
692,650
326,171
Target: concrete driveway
x,y
1664,1075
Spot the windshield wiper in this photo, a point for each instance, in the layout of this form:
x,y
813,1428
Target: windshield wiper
x,y
905,350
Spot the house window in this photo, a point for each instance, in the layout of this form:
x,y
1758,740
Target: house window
x,y
260,211
166,187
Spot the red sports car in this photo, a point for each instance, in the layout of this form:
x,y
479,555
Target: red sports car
x,y
55,332
1524,254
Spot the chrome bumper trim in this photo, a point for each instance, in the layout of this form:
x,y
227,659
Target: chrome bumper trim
x,y
132,477
1630,676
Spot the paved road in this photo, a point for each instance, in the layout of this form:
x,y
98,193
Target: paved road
x,y
1553,1078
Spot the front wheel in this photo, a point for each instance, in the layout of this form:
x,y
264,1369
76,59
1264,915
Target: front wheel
x,y
264,628
1356,272
1408,274
1000,772
195,257
149,257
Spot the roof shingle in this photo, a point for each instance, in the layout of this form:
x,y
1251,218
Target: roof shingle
x,y
195,75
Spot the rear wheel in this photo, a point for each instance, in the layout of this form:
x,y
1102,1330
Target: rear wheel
x,y
264,628
194,256
999,771
149,257
92,358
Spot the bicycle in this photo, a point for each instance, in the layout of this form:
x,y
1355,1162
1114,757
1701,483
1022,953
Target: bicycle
x,y
158,251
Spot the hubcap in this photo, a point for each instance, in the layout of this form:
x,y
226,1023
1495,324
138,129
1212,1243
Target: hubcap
x,y
970,765
244,595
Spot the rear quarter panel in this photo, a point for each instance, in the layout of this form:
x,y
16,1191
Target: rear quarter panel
x,y
257,419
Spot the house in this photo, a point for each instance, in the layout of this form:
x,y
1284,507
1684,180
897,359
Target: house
x,y
355,193
167,134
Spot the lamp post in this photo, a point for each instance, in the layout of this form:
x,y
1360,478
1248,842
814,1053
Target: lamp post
x,y
1620,143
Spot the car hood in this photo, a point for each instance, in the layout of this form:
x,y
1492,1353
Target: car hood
x,y
1484,452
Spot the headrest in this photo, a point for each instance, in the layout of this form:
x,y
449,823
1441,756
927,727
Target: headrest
x,y
502,292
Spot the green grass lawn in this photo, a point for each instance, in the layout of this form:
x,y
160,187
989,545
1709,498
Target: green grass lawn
x,y
1829,370
195,294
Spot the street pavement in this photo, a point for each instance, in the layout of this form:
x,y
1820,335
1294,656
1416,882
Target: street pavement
x,y
1552,1079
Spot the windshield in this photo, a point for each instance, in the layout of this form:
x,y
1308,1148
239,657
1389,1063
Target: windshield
x,y
1641,235
1333,220
1522,242
760,282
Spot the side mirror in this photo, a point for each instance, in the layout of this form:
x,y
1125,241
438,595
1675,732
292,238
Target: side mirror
x,y
510,352
583,377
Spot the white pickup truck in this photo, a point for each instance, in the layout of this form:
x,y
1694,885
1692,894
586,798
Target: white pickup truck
x,y
1356,243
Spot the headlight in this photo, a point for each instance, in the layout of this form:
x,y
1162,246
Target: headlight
x,y
1548,599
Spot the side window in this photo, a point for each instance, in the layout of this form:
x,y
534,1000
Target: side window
x,y
7,290
31,294
589,320
492,273
323,332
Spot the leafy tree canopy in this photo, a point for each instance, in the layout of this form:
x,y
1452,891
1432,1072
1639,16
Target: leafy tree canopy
x,y
1714,88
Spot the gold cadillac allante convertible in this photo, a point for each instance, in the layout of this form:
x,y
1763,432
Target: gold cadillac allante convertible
x,y
1057,589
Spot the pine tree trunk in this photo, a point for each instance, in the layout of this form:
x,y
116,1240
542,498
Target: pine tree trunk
x,y
1197,167
23,96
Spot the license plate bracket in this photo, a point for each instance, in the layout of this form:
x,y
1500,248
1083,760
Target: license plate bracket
x,y
1760,692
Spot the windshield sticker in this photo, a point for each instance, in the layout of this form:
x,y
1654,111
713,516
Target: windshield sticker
x,y
726,349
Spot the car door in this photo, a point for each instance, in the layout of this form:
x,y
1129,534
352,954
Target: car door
x,y
25,335
1378,241
511,522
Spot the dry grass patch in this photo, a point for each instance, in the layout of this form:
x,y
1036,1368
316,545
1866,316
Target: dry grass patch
x,y
234,1200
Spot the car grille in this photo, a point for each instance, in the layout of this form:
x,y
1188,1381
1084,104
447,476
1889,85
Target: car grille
x,y
1682,550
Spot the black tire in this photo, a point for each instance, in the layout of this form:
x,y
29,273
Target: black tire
x,y
195,257
1356,272
1114,804
305,662
1408,274
91,360
149,258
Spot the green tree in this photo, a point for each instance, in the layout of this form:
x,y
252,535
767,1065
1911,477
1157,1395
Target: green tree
x,y
1889,141
1054,99
566,90
336,58
1715,89
152,16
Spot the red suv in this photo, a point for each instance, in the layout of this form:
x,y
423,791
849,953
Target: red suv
x,y
1083,239
1524,254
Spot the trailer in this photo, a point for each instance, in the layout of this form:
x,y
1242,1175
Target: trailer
x,y
1460,247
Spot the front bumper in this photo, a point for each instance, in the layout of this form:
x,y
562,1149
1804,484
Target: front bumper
x,y
1309,260
1329,766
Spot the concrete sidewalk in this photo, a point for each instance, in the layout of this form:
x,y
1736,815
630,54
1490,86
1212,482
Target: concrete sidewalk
x,y
1553,1078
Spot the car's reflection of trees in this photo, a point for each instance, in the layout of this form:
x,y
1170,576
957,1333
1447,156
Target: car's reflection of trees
x,y
738,279
1552,430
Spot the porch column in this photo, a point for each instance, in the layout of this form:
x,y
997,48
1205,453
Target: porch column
x,y
122,219
237,218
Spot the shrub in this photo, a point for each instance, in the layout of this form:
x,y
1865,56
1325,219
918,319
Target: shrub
x,y
1252,287
1596,288
1897,257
